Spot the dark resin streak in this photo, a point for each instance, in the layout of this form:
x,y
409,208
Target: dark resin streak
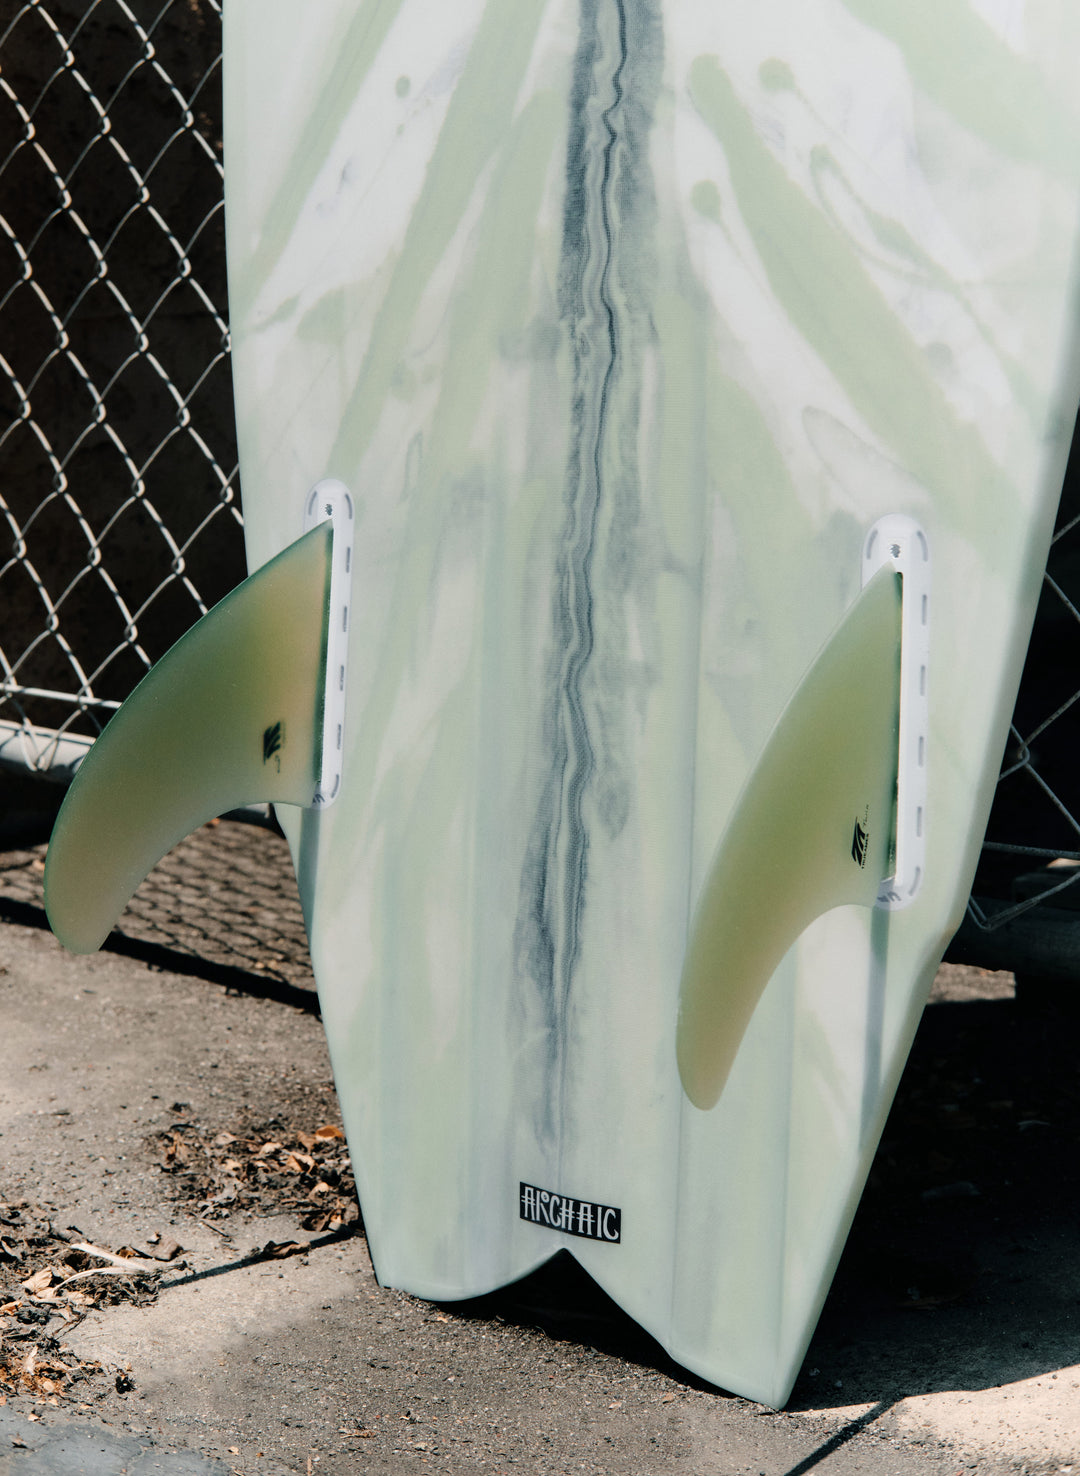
x,y
605,134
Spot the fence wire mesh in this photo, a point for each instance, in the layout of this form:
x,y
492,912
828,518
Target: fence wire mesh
x,y
119,511
1031,853
118,486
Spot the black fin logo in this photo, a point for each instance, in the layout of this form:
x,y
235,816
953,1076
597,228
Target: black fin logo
x,y
273,739
859,842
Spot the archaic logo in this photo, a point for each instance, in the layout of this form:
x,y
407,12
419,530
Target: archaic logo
x,y
859,841
572,1216
273,739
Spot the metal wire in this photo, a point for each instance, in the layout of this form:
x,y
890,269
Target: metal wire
x,y
1033,838
118,481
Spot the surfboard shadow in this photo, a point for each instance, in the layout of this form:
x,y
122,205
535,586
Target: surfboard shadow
x,y
961,1270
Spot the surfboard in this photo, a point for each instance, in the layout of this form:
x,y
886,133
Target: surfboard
x,y
699,380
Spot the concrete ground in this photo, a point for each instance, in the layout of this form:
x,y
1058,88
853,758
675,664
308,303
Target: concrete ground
x,y
157,1095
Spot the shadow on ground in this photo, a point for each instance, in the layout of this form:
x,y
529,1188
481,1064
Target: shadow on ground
x,y
962,1270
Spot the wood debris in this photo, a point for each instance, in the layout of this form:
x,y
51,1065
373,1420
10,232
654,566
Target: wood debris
x,y
262,1170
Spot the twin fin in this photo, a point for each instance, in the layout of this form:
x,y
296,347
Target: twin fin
x,y
236,713
812,830
232,715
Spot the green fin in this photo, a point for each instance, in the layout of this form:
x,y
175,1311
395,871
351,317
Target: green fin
x,y
232,715
810,831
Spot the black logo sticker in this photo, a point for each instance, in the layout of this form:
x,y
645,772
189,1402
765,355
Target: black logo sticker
x,y
859,841
573,1216
273,740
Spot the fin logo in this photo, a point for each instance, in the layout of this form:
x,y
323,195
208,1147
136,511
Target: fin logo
x,y
273,742
572,1216
860,840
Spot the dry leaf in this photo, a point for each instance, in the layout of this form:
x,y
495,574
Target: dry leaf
x,y
39,1281
223,1138
129,1253
329,1131
268,1148
168,1250
8,1308
278,1249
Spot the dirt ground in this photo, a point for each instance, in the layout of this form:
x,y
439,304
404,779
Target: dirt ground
x,y
169,1139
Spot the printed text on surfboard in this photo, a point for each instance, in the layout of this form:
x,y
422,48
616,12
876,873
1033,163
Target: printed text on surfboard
x,y
572,1216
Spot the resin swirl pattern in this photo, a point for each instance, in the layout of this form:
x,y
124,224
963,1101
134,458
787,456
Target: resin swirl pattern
x,y
623,321
609,214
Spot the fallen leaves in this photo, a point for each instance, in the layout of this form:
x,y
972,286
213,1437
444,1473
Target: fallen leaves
x,y
166,1249
46,1372
278,1250
51,1276
39,1281
248,1169
49,1280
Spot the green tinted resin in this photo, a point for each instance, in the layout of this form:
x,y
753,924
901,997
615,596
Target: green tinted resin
x,y
810,832
231,716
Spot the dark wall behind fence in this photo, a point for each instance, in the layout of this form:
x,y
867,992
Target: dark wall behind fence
x,y
119,504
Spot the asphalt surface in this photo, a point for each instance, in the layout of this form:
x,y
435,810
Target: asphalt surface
x,y
151,1097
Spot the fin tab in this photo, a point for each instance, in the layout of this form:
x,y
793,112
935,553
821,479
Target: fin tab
x,y
231,715
330,499
897,541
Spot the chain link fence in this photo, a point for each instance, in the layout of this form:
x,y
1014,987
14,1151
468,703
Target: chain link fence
x,y
118,490
1024,914
119,511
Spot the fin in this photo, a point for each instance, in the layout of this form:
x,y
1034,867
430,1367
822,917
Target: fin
x,y
231,715
811,831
